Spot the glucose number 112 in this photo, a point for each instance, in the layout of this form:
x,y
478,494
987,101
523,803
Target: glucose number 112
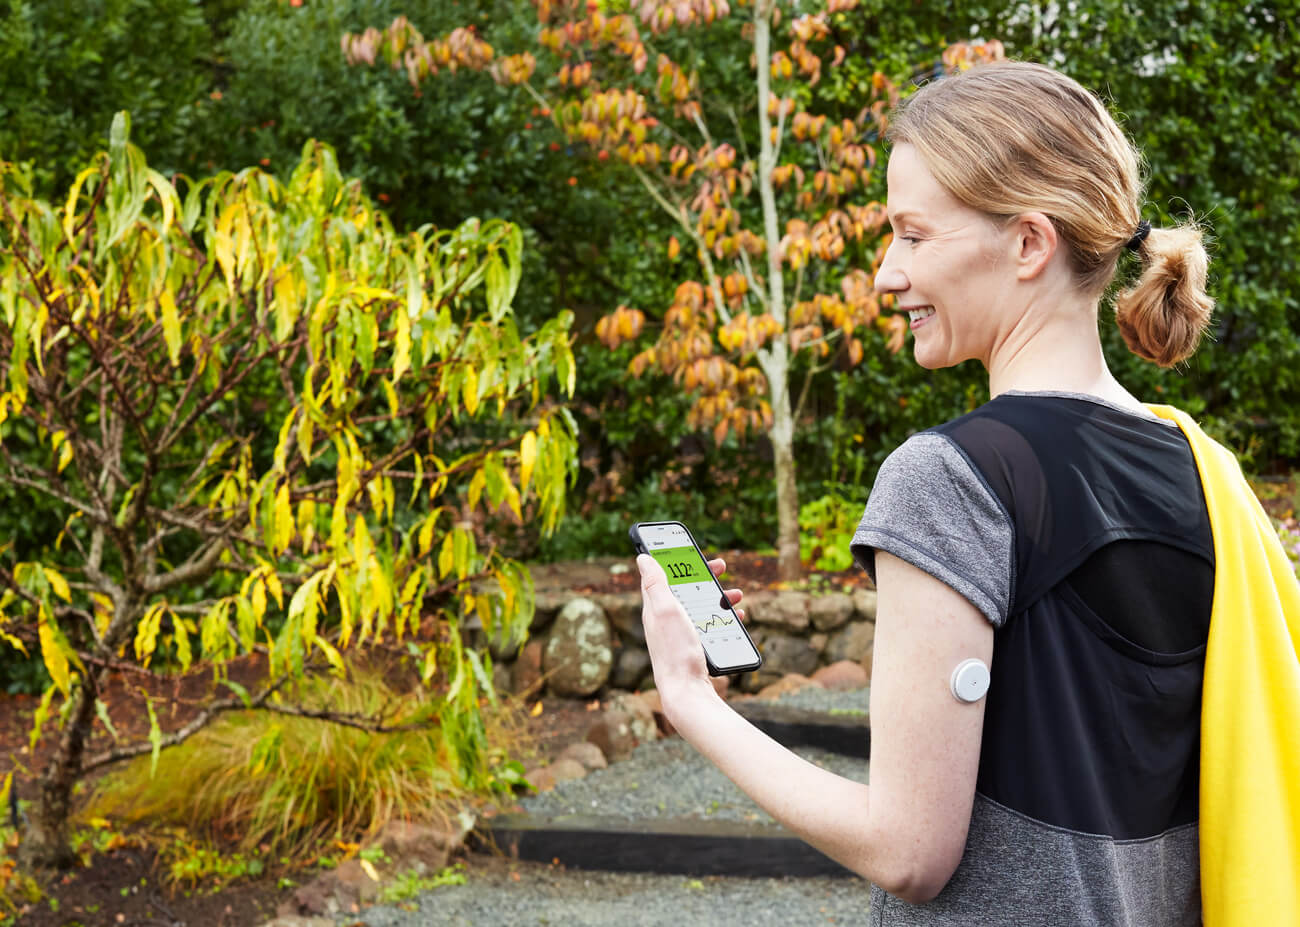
x,y
679,570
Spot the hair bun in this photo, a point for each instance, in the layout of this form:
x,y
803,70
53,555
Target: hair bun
x,y
1163,316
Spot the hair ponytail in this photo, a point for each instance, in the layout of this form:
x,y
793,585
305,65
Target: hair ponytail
x,y
1164,314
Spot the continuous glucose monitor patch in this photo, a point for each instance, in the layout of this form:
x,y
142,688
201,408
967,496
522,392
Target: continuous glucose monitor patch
x,y
970,680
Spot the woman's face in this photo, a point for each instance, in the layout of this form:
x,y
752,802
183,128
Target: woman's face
x,y
943,266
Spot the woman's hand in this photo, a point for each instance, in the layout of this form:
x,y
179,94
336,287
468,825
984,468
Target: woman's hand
x,y
673,642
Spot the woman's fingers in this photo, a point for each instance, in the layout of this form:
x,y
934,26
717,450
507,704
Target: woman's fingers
x,y
718,566
734,596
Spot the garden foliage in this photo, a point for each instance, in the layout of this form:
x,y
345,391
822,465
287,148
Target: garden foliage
x,y
1205,89
267,422
762,189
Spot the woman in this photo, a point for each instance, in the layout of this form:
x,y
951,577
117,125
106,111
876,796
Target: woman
x,y
1058,533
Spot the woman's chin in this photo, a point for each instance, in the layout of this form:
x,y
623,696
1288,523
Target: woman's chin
x,y
929,359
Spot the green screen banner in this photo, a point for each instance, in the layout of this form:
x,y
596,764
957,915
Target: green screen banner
x,y
683,565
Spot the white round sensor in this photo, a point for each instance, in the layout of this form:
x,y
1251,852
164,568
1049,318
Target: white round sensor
x,y
970,680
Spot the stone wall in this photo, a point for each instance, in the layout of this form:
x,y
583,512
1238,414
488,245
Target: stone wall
x,y
582,646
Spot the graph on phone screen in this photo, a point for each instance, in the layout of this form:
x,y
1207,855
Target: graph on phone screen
x,y
692,584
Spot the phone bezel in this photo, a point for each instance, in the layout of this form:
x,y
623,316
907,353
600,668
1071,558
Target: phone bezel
x,y
635,534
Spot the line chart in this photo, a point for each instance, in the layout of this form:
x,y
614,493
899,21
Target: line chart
x,y
714,621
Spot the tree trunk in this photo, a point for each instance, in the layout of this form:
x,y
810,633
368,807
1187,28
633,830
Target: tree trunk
x,y
776,364
787,491
45,841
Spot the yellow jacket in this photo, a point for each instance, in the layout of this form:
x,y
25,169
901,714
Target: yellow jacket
x,y
1250,712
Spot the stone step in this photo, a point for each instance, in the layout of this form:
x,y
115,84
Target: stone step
x,y
686,846
847,732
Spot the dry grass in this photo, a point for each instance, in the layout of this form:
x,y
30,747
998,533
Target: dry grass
x,y
287,786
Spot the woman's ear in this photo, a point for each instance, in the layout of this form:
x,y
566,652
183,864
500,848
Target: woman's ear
x,y
1035,243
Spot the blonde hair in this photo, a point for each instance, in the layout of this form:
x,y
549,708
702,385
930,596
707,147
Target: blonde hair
x,y
1010,137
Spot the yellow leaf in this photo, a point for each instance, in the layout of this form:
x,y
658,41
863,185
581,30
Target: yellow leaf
x,y
258,600
183,653
56,661
103,612
331,654
446,556
69,212
146,635
527,459
476,485
274,587
469,390
401,343
425,539
393,406
536,710
65,456
283,519
171,324
306,521
512,500
58,584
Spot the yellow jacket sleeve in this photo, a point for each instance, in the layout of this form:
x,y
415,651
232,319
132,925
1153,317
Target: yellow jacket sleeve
x,y
1250,712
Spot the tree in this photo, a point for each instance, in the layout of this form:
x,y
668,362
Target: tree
x,y
267,421
728,175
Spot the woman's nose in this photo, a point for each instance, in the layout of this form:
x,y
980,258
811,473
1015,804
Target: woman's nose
x,y
890,278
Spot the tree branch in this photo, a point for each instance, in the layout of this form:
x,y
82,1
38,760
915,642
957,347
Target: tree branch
x,y
197,567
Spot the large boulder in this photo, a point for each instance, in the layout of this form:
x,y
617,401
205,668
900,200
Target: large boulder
x,y
579,654
851,642
628,720
788,653
830,611
784,609
547,605
792,682
623,609
842,676
526,674
630,667
864,604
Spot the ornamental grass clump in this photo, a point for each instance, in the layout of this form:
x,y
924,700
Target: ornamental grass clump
x,y
291,786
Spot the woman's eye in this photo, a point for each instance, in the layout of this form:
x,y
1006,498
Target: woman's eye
x,y
910,239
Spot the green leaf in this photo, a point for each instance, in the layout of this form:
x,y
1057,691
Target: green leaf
x,y
118,138
240,691
101,712
40,716
498,288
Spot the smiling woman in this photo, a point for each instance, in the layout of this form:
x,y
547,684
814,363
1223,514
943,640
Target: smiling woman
x,y
1060,533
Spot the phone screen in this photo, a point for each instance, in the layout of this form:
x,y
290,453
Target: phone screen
x,y
692,583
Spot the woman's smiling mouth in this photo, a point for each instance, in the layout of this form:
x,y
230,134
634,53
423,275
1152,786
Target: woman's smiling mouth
x,y
919,315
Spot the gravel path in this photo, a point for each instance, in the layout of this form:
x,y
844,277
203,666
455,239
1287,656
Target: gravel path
x,y
660,780
543,895
669,779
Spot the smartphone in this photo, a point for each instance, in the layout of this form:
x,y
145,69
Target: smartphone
x,y
727,646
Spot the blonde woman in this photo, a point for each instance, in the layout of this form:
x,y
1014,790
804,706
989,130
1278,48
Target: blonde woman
x,y
1058,534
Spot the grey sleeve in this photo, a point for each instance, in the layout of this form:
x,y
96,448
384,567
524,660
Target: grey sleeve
x,y
929,507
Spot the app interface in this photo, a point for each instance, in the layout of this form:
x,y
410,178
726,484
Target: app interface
x,y
693,585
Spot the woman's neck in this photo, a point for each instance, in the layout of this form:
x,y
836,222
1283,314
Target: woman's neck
x,y
1057,352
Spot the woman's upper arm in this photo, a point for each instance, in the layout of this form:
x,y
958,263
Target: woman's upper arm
x,y
924,743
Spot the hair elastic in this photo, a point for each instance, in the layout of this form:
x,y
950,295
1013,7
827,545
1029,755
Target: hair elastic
x,y
1143,230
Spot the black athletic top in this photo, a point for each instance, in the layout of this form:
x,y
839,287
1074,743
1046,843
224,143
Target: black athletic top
x,y
1080,530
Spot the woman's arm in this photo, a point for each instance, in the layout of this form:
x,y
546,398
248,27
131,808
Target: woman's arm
x,y
906,832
